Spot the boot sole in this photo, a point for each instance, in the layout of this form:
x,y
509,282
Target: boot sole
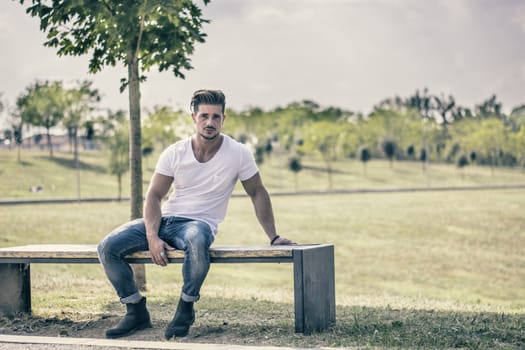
x,y
179,331
131,331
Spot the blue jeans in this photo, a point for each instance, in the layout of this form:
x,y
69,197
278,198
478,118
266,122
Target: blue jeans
x,y
192,236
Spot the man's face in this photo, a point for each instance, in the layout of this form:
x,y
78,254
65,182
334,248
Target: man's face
x,y
208,121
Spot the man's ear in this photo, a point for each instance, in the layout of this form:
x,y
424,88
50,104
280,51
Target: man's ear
x,y
193,117
223,118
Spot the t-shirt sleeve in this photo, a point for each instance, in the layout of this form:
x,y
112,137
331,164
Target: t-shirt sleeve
x,y
165,163
248,166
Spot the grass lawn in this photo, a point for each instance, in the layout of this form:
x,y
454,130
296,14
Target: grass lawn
x,y
58,177
413,269
424,269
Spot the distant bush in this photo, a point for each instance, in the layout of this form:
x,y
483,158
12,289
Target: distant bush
x,y
462,161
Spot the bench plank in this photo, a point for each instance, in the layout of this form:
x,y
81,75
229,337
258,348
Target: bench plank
x,y
89,252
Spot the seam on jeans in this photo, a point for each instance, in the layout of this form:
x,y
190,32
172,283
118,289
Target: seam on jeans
x,y
130,250
131,298
189,298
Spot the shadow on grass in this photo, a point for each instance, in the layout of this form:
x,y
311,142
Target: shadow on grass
x,y
25,163
70,163
320,169
254,322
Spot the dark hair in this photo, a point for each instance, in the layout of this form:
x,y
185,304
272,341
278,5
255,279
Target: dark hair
x,y
207,97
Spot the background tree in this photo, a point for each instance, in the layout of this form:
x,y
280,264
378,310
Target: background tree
x,y
490,108
349,139
411,151
461,163
517,144
445,107
8,137
259,154
460,131
43,105
165,126
18,137
364,156
78,103
248,124
322,137
139,34
147,151
14,123
7,133
2,103
401,126
268,148
423,102
473,156
489,140
517,118
389,149
108,124
423,158
118,146
89,134
294,164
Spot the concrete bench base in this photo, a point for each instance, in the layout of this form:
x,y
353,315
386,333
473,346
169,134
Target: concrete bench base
x,y
313,274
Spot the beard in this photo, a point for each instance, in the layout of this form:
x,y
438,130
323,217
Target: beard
x,y
210,138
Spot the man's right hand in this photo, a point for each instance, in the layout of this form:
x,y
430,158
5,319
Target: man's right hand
x,y
158,250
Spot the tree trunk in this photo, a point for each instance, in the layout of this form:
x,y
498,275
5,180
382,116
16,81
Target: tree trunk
x,y
71,134
329,171
135,136
135,153
49,143
119,181
77,163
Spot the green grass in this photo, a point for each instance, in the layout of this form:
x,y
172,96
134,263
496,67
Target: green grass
x,y
438,269
413,270
351,174
58,175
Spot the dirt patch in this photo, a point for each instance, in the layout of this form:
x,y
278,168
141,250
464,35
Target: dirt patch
x,y
205,329
93,327
218,321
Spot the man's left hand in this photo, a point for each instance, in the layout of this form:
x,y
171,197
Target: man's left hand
x,y
283,241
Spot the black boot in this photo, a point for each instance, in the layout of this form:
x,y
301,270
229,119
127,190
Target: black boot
x,y
136,318
183,319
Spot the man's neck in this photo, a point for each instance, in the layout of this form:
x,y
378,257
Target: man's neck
x,y
204,149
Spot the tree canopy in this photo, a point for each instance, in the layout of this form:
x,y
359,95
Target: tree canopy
x,y
43,105
139,34
155,32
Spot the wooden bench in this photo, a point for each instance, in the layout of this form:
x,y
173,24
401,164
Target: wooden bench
x,y
313,274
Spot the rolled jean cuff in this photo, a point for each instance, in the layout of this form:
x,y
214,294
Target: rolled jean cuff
x,y
188,298
132,299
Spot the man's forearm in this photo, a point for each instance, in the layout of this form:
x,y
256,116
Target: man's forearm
x,y
152,216
264,212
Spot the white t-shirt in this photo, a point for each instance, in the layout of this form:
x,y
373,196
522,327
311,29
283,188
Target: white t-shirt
x,y
201,191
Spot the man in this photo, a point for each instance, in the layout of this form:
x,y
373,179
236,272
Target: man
x,y
203,170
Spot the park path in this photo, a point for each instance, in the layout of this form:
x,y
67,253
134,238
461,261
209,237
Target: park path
x,y
25,201
18,342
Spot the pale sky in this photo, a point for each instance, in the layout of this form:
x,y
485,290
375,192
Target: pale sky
x,y
344,53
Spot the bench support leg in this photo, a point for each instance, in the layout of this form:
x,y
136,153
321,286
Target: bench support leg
x,y
314,289
15,289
